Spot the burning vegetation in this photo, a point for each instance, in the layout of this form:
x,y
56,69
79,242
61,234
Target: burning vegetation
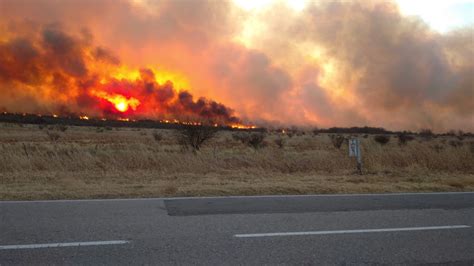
x,y
51,72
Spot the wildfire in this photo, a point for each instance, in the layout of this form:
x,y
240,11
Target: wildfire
x,y
97,84
127,73
241,126
120,102
121,105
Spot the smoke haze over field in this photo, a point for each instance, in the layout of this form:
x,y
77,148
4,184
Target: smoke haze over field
x,y
329,63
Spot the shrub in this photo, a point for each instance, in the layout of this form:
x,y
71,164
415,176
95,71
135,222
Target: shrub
x,y
337,141
242,137
438,148
456,143
157,136
426,134
404,138
256,140
280,142
382,139
62,128
195,136
53,136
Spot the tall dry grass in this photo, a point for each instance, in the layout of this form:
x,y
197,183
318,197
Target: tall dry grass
x,y
87,162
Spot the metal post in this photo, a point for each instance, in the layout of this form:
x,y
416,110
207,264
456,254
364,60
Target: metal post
x,y
359,158
354,151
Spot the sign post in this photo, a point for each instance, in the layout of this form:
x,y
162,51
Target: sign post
x,y
354,151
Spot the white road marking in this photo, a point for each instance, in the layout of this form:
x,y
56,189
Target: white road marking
x,y
238,197
70,244
354,231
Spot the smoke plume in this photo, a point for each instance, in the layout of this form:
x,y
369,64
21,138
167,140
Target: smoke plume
x,y
50,71
333,63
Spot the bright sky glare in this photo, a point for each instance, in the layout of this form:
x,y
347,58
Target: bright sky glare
x,y
441,15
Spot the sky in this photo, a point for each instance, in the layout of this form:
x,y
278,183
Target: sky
x,y
395,64
441,15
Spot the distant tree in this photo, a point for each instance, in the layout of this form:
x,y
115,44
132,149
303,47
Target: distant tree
x,y
194,136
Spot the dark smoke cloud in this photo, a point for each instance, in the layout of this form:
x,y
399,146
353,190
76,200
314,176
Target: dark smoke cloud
x,y
64,52
54,72
102,54
386,69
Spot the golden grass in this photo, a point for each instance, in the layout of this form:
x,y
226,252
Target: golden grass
x,y
89,163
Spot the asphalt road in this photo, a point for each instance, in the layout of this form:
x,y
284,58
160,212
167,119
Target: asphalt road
x,y
431,228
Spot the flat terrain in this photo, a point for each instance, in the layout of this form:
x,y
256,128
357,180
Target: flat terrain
x,y
433,228
88,162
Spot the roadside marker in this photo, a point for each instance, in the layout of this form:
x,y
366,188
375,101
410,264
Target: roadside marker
x,y
354,151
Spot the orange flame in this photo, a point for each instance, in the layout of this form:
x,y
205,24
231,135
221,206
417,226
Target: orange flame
x,y
121,103
241,126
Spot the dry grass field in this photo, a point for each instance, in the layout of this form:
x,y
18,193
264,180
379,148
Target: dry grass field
x,y
89,162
